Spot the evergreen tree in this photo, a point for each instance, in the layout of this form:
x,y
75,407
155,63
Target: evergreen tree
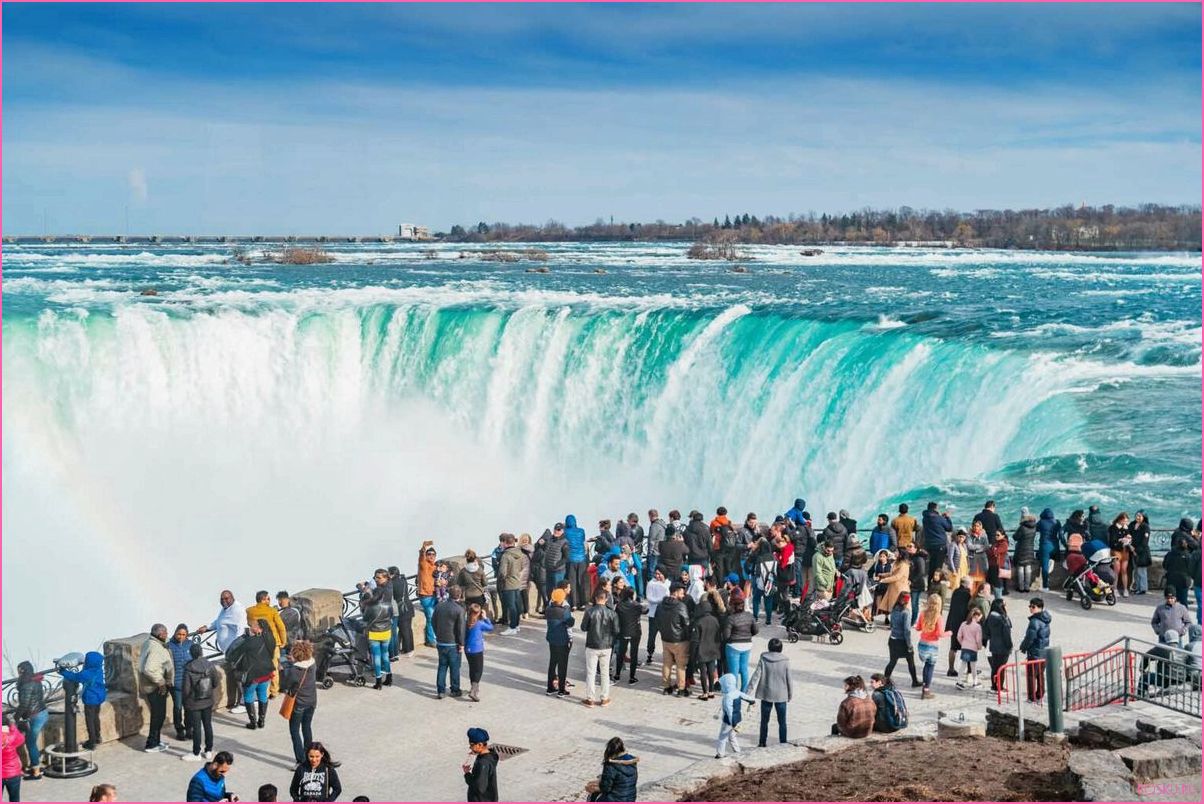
x,y
727,222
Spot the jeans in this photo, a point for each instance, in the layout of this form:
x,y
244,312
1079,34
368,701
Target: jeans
x,y
597,660
255,690
1199,605
737,663
158,714
627,647
179,717
393,639
449,663
12,786
997,591
201,722
1141,579
380,656
928,653
1045,556
428,610
899,649
915,606
1024,577
33,733
758,596
512,606
300,728
558,666
800,575
780,708
476,666
579,583
551,581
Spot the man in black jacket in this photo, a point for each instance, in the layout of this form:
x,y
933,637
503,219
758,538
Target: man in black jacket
x,y
991,523
481,774
698,540
631,612
936,528
403,607
601,627
674,622
917,578
674,553
555,558
449,621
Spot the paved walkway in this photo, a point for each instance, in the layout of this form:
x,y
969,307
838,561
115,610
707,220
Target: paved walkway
x,y
401,744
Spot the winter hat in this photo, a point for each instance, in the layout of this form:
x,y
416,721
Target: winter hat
x,y
1193,632
558,596
476,735
844,514
1169,636
1023,511
1170,592
732,578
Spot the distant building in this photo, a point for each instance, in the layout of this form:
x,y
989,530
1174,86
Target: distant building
x,y
410,231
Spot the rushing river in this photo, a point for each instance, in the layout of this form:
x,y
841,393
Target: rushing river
x,y
265,426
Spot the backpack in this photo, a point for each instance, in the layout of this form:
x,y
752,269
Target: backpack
x,y
199,684
727,537
895,713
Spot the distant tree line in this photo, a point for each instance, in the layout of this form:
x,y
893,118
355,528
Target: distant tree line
x,y
1106,228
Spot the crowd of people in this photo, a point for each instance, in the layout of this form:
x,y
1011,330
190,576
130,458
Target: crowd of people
x,y
704,588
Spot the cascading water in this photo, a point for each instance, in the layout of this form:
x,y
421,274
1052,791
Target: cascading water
x,y
248,430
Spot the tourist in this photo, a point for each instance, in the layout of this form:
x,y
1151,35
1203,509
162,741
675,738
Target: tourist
x,y
180,649
990,521
477,625
731,694
705,640
772,687
31,715
510,583
301,681
823,571
630,612
103,792
620,776
376,608
1194,561
855,717
1170,615
93,693
997,639
1170,665
802,537
315,778
604,542
883,564
450,630
632,569
601,626
1139,533
725,543
890,710
881,537
401,642
1075,530
918,577
969,637
903,527
1177,568
935,527
860,580
894,585
471,579
899,641
252,658
559,620
531,575
629,533
652,544
200,682
658,590
294,624
11,739
267,792
263,610
157,675
738,631
209,783
1053,544
1034,644
959,609
1024,555
797,515
555,558
674,555
578,562
1120,542
928,648
426,589
480,771
836,535
999,566
674,624
228,626
698,540
957,559
1097,528
977,544
783,551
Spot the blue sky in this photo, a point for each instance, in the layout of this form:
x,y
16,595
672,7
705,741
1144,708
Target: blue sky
x,y
351,118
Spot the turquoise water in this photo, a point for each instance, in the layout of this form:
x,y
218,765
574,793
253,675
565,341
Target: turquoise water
x,y
400,393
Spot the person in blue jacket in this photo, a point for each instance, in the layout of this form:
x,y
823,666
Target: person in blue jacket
x,y
180,648
620,776
578,566
1053,541
798,514
93,693
209,783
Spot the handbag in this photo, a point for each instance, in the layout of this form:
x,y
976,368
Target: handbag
x,y
1005,568
289,701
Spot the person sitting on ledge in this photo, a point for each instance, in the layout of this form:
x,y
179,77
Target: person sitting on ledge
x,y
855,717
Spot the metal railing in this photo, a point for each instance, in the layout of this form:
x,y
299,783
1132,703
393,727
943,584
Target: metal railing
x,y
1131,669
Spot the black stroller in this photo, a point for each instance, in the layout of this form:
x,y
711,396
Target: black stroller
x,y
343,646
823,623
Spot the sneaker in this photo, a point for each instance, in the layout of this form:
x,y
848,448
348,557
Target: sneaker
x,y
605,702
961,685
154,749
550,692
952,674
563,694
632,680
191,758
669,690
683,693
438,696
207,756
238,710
509,631
927,694
88,746
457,693
1044,588
915,684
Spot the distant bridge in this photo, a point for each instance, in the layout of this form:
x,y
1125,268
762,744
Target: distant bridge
x,y
34,240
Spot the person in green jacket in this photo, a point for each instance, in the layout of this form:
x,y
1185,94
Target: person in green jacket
x,y
823,570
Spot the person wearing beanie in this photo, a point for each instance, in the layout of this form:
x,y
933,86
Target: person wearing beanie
x,y
559,619
480,769
1171,615
1163,665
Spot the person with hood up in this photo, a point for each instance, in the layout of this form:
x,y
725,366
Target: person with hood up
x,y
1034,644
228,626
798,514
849,523
620,776
578,563
480,769
315,777
855,717
252,658
730,696
882,537
1139,531
773,688
959,609
674,554
1177,567
652,544
31,715
559,619
836,535
802,537
179,647
704,641
157,673
698,540
1053,544
1097,526
200,684
93,693
1185,534
1024,556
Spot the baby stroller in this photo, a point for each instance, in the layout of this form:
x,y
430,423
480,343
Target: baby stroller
x,y
824,622
344,646
853,617
1083,579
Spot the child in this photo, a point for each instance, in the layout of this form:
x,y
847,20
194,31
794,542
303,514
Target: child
x,y
480,769
861,580
731,695
93,693
443,581
881,569
969,636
